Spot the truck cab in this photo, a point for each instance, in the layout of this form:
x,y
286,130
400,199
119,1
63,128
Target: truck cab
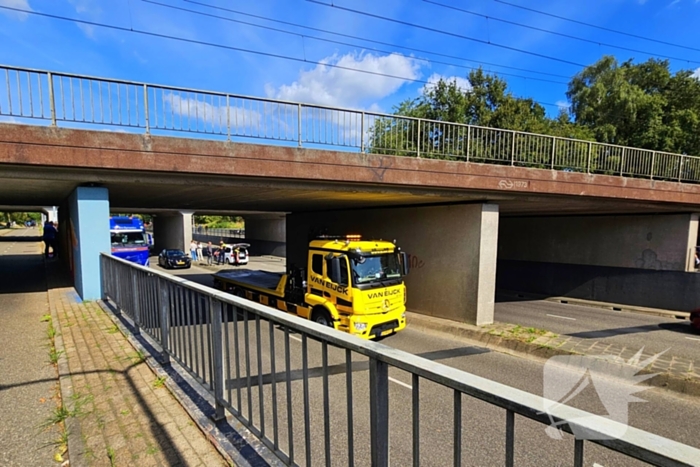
x,y
357,285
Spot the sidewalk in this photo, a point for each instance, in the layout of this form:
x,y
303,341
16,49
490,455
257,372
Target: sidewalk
x,y
115,410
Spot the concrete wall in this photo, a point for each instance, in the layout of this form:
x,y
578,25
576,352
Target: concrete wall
x,y
660,242
452,252
172,231
271,230
668,290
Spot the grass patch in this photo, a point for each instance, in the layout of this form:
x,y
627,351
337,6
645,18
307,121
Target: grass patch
x,y
151,450
54,355
531,339
159,382
45,318
124,412
51,331
112,456
113,329
59,415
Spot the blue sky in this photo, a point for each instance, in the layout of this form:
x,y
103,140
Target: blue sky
x,y
47,43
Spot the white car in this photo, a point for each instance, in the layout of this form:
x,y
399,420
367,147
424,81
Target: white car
x,y
236,253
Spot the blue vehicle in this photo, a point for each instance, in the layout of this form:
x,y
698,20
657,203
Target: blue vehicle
x,y
129,239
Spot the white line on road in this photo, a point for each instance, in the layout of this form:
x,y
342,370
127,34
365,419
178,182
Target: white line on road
x,y
693,338
400,383
562,317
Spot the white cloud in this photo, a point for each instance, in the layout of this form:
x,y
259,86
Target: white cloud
x,y
462,83
19,4
341,87
563,105
696,74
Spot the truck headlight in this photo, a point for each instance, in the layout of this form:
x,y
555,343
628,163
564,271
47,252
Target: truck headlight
x,y
360,326
403,315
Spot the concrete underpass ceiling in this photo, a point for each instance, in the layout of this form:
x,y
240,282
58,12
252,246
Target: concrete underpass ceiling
x,y
28,189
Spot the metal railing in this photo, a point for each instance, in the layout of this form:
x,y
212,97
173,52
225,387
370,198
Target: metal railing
x,y
77,99
221,233
277,374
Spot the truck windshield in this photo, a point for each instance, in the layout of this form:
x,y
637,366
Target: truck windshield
x,y
128,239
375,268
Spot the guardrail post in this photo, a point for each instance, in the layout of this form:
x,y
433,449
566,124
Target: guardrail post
x,y
469,139
164,308
512,151
622,161
136,304
680,169
299,122
145,108
217,357
590,151
554,148
52,103
362,133
419,138
228,118
379,412
653,163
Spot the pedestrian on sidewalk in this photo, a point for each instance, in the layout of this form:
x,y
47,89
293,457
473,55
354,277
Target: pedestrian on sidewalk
x,y
210,254
193,250
200,257
49,237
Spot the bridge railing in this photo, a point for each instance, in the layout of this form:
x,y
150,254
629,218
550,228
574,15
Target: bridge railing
x,y
222,233
72,99
241,354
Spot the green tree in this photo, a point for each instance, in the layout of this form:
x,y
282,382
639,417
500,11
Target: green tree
x,y
641,105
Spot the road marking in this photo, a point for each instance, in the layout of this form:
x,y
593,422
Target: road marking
x,y
295,338
562,317
400,383
693,338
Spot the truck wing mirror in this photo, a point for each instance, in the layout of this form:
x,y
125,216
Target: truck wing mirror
x,y
404,263
335,270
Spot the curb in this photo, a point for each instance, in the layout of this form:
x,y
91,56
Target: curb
x,y
592,303
666,380
76,446
229,437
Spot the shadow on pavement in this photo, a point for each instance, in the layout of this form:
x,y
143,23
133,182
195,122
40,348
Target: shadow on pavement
x,y
681,326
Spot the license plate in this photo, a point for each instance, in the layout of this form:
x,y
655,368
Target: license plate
x,y
180,262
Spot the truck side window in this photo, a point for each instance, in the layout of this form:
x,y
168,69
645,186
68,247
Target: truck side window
x,y
343,270
317,264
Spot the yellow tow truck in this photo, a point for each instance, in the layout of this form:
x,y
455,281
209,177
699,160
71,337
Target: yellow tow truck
x,y
350,284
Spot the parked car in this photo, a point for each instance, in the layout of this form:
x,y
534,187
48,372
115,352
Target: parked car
x,y
695,319
174,259
236,253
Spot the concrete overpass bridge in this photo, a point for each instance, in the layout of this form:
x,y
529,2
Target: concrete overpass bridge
x,y
559,215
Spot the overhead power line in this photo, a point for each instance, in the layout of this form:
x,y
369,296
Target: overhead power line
x,y
602,28
373,41
269,28
221,46
447,33
569,36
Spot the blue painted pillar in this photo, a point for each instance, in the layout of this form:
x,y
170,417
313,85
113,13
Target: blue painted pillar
x,y
88,237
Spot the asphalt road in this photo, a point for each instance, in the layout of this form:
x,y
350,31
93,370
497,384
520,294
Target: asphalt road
x,y
664,413
624,329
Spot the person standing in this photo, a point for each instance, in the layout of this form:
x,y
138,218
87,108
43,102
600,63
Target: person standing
x,y
199,252
49,237
193,250
222,253
210,254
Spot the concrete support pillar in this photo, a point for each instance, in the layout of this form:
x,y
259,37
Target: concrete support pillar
x,y
172,231
88,236
692,242
452,252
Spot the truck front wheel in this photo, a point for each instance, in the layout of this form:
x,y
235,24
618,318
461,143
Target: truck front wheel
x,y
322,317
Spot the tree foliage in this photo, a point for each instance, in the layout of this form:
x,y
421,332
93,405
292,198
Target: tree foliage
x,y
641,105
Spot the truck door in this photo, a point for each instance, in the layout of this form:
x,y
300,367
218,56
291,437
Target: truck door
x,y
339,292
